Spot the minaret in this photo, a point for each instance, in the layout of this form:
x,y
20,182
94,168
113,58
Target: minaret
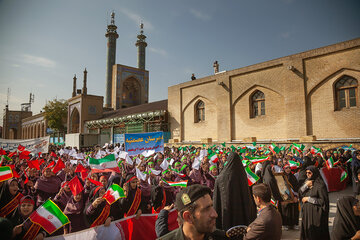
x,y
141,44
74,86
84,91
111,35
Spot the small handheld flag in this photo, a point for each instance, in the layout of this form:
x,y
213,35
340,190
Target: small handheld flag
x,y
49,217
114,193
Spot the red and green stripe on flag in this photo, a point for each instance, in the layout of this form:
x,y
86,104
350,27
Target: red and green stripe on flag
x,y
214,158
299,148
315,150
293,164
49,217
177,184
5,173
106,164
252,177
274,148
114,193
330,162
255,160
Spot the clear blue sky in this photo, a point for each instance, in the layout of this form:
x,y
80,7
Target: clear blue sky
x,y
43,43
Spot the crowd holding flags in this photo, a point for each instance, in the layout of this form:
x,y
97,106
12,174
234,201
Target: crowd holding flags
x,y
179,162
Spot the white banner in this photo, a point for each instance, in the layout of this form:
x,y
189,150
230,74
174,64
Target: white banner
x,y
34,145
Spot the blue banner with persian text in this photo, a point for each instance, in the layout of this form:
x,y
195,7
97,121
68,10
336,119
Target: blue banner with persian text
x,y
136,143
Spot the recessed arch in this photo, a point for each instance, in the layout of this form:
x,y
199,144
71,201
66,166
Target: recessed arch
x,y
196,99
74,121
131,92
199,111
252,88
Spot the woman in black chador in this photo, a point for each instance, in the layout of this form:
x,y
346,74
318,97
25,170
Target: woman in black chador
x,y
315,207
232,199
347,219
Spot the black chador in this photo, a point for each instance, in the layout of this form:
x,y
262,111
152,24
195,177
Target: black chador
x,y
232,199
315,212
346,223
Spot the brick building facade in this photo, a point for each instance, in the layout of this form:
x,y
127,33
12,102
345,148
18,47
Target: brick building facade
x,y
301,97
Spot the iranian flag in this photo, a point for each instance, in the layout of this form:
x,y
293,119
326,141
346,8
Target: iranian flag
x,y
255,160
177,184
315,150
49,217
298,147
114,193
274,202
349,161
214,158
252,177
5,173
293,164
330,162
343,176
106,164
178,173
274,148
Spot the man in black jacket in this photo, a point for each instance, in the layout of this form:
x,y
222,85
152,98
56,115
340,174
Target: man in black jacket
x,y
196,215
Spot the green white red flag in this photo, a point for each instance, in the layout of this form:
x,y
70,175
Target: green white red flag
x,y
330,162
293,164
299,148
274,148
106,164
274,202
315,150
214,158
255,160
49,217
252,177
343,176
177,184
114,193
5,173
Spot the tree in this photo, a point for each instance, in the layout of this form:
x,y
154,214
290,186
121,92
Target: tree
x,y
56,114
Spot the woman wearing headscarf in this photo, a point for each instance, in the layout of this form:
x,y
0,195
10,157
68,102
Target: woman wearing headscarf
x,y
47,186
355,169
347,219
269,178
23,228
98,211
63,196
132,204
74,210
302,173
315,207
232,199
9,197
290,211
211,176
163,195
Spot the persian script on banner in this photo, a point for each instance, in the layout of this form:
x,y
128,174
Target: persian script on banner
x,y
137,143
34,145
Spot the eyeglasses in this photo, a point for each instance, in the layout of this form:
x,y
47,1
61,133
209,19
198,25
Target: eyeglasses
x,y
308,172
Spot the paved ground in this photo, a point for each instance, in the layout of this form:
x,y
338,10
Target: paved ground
x,y
295,234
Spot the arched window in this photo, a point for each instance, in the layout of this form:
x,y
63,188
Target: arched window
x,y
346,92
199,111
257,104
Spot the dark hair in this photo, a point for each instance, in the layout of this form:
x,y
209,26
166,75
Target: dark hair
x,y
191,208
262,191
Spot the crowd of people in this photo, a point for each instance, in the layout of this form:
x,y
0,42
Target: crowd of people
x,y
145,178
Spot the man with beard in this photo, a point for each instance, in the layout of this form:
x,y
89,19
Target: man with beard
x,y
196,215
